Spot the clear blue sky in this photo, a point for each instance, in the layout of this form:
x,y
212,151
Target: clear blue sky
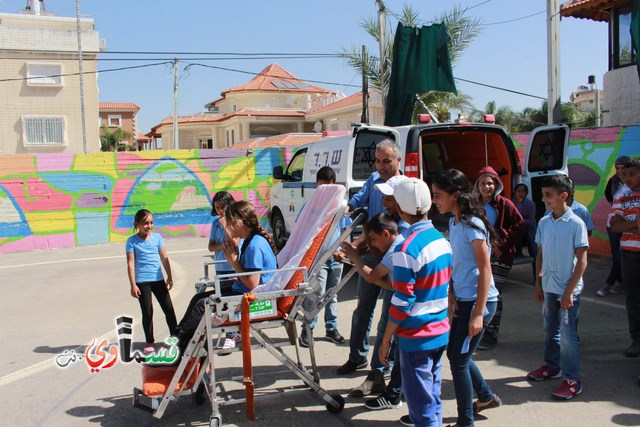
x,y
512,55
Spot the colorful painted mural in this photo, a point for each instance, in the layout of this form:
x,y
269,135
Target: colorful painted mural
x,y
591,158
61,200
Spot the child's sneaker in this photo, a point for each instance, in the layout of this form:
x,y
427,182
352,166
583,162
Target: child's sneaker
x,y
568,390
603,291
544,372
230,343
384,401
618,288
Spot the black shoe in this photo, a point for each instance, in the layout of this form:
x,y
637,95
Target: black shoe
x,y
303,340
334,336
405,420
633,350
350,367
384,401
487,342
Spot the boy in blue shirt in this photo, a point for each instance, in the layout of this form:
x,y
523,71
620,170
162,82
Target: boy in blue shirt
x,y
561,237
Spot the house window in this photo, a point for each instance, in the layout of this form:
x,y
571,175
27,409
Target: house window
x,y
42,130
622,52
230,137
115,121
205,143
44,74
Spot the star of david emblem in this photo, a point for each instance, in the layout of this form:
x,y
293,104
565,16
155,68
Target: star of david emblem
x,y
547,149
368,154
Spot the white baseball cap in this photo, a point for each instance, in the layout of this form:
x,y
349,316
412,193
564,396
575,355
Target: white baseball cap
x,y
413,196
386,188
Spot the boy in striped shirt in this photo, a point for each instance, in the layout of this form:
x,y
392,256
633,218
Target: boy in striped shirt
x,y
418,313
625,219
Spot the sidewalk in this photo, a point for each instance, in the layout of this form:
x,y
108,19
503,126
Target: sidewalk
x,y
63,299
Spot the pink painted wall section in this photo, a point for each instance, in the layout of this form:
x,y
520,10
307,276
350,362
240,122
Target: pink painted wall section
x,y
61,200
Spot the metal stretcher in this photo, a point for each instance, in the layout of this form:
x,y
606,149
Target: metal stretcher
x,y
289,297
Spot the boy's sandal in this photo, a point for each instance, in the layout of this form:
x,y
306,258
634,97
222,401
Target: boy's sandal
x,y
493,403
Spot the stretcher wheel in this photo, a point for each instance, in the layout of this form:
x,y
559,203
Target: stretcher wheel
x,y
214,422
199,397
340,401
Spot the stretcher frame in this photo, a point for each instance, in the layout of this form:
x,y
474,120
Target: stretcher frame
x,y
203,347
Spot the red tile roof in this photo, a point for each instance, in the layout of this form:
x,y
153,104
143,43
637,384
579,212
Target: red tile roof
x,y
141,137
595,10
284,140
355,99
274,73
119,106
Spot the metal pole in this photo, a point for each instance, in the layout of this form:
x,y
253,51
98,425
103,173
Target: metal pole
x,y
176,141
553,61
365,87
597,106
81,75
382,29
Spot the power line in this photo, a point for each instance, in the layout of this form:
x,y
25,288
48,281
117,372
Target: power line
x,y
500,88
515,19
86,72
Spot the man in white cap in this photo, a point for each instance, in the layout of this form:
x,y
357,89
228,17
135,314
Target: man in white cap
x,y
418,313
387,160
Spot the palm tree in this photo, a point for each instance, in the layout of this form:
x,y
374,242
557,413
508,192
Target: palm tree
x,y
113,140
462,30
504,115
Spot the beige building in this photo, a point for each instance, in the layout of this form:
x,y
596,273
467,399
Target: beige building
x,y
621,91
114,115
585,98
275,102
40,108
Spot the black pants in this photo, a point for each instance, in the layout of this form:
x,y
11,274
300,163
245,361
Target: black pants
x,y
159,289
631,282
500,272
192,316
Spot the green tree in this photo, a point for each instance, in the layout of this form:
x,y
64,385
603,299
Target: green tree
x,y
505,116
112,140
530,117
462,29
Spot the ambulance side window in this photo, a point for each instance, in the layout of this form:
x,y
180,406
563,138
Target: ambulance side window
x,y
296,166
364,154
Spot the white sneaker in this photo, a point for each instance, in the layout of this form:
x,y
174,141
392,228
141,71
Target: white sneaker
x,y
230,343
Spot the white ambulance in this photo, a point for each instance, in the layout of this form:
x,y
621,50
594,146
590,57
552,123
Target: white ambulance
x,y
426,150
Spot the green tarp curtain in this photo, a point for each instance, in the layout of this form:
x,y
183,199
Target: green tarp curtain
x,y
635,31
420,63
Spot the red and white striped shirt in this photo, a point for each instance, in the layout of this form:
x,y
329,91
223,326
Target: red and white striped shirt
x,y
627,207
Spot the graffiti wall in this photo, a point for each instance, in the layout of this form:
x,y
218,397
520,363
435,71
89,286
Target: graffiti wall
x,y
591,158
61,200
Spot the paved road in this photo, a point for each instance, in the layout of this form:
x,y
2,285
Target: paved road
x,y
58,300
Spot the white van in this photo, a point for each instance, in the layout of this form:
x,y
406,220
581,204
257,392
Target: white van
x,y
427,149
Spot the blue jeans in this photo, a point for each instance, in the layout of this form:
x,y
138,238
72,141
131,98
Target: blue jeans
x,y
328,277
363,315
395,382
422,382
467,378
561,348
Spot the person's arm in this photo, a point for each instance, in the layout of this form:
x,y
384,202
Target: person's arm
x,y
131,272
566,301
516,228
383,350
167,266
216,242
231,252
621,225
481,252
361,198
378,275
538,294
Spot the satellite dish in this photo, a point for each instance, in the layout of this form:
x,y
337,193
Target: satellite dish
x,y
317,127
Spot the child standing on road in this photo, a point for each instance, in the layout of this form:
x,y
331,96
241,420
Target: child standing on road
x,y
473,296
219,235
145,252
625,219
528,211
561,237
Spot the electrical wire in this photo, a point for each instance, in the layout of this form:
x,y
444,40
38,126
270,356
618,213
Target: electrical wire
x,y
500,88
513,20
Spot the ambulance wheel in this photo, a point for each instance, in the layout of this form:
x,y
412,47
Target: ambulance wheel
x,y
277,226
340,401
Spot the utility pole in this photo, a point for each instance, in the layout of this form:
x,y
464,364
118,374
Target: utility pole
x,y
382,40
83,120
176,141
553,61
364,118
